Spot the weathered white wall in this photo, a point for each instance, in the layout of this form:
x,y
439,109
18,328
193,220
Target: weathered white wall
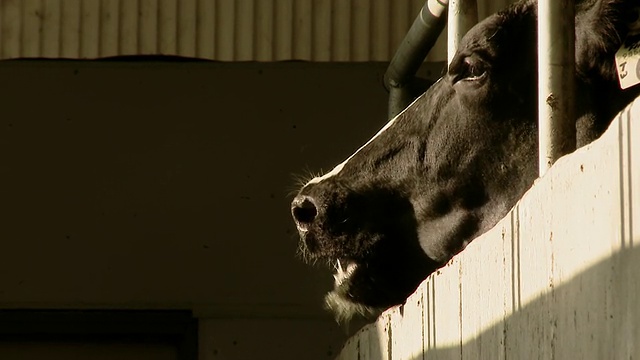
x,y
558,278
227,30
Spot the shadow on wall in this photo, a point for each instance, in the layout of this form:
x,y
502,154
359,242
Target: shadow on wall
x,y
594,315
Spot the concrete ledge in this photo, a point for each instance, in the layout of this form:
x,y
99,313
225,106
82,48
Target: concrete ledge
x,y
558,277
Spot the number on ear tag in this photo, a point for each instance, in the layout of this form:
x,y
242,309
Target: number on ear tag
x,y
628,62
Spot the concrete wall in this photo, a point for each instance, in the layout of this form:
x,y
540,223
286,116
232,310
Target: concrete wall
x,y
558,278
166,185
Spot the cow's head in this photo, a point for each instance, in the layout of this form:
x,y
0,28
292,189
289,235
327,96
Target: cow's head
x,y
454,162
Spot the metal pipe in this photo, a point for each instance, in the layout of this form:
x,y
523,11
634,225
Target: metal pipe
x,y
463,15
556,73
411,53
399,99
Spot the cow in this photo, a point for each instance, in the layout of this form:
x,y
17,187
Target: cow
x,y
455,161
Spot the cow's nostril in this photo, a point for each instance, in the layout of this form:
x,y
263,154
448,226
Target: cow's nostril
x,y
304,210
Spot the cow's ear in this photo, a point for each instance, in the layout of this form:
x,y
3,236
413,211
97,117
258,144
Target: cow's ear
x,y
601,27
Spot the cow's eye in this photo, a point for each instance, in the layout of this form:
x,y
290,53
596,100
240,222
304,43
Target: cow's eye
x,y
475,70
470,69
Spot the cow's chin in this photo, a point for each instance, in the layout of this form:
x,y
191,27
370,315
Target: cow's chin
x,y
341,300
377,277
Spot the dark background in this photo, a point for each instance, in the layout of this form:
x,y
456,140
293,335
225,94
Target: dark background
x,y
145,184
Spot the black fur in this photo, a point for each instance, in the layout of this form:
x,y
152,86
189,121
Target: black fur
x,y
457,160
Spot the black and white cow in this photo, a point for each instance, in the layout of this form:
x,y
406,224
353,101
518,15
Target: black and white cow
x,y
450,166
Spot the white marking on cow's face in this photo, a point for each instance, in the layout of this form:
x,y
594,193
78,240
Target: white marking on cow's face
x,y
339,167
336,170
343,274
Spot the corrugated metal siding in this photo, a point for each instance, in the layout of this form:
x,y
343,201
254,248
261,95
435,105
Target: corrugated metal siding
x,y
227,30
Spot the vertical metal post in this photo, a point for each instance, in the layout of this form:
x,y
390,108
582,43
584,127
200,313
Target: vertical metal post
x,y
556,72
463,15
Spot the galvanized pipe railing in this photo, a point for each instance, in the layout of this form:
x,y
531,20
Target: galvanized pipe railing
x,y
411,54
556,66
556,73
463,15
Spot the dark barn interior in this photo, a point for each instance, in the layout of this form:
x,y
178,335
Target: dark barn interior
x,y
166,185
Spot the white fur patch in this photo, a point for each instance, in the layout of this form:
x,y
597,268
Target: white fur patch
x,y
336,170
339,167
343,274
344,309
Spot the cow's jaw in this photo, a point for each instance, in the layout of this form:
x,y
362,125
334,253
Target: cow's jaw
x,y
343,274
339,300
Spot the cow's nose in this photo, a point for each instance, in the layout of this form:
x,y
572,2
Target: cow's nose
x,y
304,211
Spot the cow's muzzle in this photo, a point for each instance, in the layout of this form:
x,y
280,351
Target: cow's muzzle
x,y
304,211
